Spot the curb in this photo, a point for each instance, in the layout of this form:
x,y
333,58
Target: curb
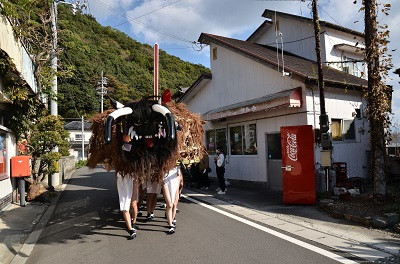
x,y
366,221
23,254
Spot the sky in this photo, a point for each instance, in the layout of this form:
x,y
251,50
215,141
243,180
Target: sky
x,y
176,24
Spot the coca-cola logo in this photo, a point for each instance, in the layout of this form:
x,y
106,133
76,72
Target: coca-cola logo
x,y
291,147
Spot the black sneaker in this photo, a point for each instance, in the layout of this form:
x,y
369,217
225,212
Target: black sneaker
x,y
135,227
150,216
139,214
132,234
171,230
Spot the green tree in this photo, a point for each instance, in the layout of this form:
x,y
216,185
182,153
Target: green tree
x,y
87,48
49,132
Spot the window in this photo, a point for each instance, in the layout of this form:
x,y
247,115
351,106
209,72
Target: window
x,y
243,140
336,129
214,51
348,130
274,146
343,130
352,66
210,141
3,157
250,140
236,140
78,137
220,135
215,139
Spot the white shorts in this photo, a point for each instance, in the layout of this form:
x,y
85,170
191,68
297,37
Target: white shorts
x,y
171,180
126,188
152,187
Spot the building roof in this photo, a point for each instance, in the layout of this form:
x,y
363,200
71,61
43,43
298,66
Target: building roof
x,y
196,86
271,13
299,67
77,125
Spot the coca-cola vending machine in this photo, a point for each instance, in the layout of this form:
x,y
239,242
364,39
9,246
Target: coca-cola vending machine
x,y
298,166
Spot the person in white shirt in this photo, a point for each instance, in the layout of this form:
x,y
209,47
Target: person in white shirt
x,y
170,190
127,193
220,169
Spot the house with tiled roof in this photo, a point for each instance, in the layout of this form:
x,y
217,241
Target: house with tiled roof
x,y
269,81
79,137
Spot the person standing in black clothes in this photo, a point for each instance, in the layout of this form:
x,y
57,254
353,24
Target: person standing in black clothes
x,y
204,167
220,169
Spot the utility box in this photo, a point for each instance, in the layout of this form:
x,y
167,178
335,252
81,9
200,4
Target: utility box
x,y
21,166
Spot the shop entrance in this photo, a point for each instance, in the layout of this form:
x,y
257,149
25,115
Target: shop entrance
x,y
274,160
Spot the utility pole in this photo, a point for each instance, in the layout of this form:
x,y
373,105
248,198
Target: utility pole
x,y
102,90
83,139
326,142
76,6
54,62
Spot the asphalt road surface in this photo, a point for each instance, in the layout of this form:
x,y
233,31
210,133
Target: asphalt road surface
x,y
87,227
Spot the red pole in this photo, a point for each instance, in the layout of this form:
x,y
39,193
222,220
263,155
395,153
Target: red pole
x,y
155,71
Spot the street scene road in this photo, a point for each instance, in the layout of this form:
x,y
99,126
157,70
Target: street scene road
x,y
87,227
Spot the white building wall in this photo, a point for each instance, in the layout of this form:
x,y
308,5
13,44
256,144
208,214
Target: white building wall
x,y
11,148
254,167
77,149
86,135
236,78
333,37
292,30
341,104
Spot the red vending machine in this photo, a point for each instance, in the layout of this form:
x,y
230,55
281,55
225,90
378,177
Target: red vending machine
x,y
298,166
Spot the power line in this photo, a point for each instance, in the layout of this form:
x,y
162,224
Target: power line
x,y
293,41
320,7
145,25
146,13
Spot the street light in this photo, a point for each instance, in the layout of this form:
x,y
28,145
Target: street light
x,y
76,6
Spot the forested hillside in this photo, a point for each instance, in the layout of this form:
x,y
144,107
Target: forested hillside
x,y
87,48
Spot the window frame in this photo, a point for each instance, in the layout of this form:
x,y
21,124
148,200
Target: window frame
x,y
342,128
242,126
78,139
215,132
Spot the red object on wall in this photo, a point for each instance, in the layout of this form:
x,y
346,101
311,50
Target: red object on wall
x,y
298,166
21,166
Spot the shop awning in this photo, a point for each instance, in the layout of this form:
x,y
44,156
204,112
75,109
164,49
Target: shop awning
x,y
288,98
349,48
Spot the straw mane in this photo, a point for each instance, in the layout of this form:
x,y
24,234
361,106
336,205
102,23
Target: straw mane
x,y
148,163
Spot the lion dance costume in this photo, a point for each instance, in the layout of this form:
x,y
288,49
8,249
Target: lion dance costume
x,y
146,138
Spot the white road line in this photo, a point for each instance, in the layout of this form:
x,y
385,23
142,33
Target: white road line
x,y
300,243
